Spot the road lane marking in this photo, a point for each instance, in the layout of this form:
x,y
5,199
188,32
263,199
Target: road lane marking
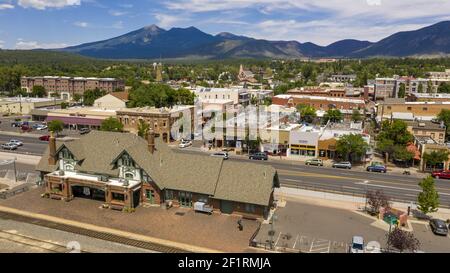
x,y
347,178
398,188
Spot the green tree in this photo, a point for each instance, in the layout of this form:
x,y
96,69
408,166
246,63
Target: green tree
x,y
143,128
55,126
420,88
402,90
90,96
444,88
307,113
428,199
402,154
38,91
444,116
356,115
64,105
333,115
430,87
77,97
393,135
434,158
352,147
111,125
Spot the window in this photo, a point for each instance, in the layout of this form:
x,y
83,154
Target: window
x,y
118,196
409,108
425,109
250,208
169,195
129,175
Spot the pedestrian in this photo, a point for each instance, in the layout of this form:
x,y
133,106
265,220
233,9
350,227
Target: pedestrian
x,y
240,226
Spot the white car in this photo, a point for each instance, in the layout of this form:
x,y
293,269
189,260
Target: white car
x,y
41,127
357,245
9,146
16,142
185,144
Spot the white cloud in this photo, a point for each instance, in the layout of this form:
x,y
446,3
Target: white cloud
x,y
81,24
165,20
126,6
117,13
43,4
27,45
2,43
6,6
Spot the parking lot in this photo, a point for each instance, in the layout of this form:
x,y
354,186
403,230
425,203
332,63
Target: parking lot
x,y
311,228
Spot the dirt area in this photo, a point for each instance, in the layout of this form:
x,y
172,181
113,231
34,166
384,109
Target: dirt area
x,y
215,231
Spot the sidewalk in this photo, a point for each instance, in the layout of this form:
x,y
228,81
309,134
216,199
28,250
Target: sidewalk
x,y
343,201
21,158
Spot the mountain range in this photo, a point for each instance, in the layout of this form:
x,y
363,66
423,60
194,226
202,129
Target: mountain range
x,y
153,42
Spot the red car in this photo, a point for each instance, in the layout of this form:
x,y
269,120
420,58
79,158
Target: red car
x,y
441,174
44,138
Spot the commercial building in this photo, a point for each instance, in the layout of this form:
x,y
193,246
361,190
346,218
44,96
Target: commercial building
x,y
160,120
435,131
390,87
342,78
114,100
124,171
320,102
237,95
19,105
419,110
66,87
76,118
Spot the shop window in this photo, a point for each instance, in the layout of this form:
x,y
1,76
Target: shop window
x,y
118,196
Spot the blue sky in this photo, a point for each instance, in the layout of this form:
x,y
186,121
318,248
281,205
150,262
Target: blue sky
x,y
27,24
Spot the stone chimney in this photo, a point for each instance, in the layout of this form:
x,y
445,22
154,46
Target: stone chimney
x,y
151,141
52,149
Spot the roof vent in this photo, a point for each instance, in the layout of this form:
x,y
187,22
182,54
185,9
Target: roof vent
x,y
422,124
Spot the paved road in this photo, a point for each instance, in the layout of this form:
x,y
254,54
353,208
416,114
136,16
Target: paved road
x,y
296,174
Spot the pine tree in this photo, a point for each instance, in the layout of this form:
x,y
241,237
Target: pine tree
x,y
428,199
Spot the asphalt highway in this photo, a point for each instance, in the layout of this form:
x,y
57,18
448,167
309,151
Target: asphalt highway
x,y
296,175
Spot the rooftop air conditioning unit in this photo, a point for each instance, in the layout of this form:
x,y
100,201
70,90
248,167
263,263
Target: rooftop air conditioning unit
x,y
422,124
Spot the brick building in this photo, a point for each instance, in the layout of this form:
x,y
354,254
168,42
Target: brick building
x,y
420,110
161,120
69,86
125,171
319,102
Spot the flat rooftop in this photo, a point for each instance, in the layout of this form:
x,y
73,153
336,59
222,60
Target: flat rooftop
x,y
154,110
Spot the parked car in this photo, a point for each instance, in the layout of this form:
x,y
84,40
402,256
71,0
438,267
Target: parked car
x,y
314,162
16,141
441,174
357,245
44,138
343,165
41,127
258,156
84,131
377,168
223,155
185,143
438,227
9,146
26,128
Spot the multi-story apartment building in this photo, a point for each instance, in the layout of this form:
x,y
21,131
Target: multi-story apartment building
x,y
342,78
160,120
440,75
390,87
66,87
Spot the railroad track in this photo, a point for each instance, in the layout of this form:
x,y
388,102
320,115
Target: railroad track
x,y
34,242
94,234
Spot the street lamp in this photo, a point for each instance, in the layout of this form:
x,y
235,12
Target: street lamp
x,y
272,231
